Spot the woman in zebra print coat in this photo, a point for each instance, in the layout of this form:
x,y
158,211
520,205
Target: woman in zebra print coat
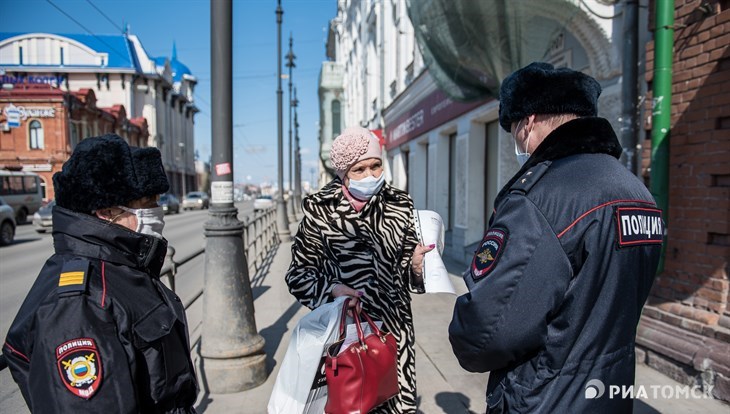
x,y
357,238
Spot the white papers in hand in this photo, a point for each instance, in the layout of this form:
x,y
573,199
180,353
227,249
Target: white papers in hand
x,y
430,229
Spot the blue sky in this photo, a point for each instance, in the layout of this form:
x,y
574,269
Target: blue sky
x,y
159,23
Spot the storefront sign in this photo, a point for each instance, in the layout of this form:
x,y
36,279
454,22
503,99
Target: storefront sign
x,y
54,81
37,167
12,114
22,113
432,111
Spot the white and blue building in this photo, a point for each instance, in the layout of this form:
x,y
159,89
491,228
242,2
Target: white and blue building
x,y
121,73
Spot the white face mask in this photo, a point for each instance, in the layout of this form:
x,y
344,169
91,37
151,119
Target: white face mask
x,y
367,187
522,157
149,220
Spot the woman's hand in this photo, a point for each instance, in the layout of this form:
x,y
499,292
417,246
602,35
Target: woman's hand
x,y
417,262
342,290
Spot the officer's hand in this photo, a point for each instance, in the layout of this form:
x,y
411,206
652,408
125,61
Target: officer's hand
x,y
417,263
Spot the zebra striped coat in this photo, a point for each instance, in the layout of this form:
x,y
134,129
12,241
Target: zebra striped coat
x,y
369,251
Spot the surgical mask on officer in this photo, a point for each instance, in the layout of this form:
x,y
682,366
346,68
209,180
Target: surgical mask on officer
x,y
367,187
149,220
522,156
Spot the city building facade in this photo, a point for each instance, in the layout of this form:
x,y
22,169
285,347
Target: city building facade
x,y
130,90
450,156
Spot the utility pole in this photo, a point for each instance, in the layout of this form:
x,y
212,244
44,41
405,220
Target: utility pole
x,y
282,221
231,348
297,164
290,64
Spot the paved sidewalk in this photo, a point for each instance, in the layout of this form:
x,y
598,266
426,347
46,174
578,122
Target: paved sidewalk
x,y
443,386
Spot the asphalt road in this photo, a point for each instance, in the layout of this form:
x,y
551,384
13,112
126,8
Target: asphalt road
x,y
21,261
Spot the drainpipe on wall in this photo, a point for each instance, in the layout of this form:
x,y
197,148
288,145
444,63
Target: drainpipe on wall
x,y
381,122
662,110
629,87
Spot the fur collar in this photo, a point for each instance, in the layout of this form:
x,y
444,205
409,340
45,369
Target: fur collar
x,y
587,135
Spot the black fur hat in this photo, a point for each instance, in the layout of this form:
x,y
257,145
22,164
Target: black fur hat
x,y
539,88
106,172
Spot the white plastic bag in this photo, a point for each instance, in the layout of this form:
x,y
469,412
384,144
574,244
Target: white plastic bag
x,y
300,387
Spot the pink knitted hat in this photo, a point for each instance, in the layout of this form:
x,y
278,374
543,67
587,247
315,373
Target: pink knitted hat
x,y
354,144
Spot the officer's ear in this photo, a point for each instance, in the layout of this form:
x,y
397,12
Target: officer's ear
x,y
108,214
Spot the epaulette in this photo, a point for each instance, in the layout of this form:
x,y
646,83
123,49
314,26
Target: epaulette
x,y
529,178
74,277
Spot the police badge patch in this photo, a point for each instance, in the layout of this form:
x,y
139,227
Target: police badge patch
x,y
488,252
79,365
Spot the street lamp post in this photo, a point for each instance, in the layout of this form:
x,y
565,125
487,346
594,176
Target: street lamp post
x,y
232,351
282,221
297,164
184,168
290,64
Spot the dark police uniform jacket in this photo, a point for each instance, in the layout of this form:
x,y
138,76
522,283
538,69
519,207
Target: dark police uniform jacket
x,y
98,331
557,284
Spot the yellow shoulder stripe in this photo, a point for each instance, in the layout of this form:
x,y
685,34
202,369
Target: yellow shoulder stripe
x,y
71,278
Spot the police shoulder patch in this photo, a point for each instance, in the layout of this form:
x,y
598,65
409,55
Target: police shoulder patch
x,y
639,226
488,252
79,365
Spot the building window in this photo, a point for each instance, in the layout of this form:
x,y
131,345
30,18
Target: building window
x,y
20,55
409,74
74,138
36,134
62,57
336,118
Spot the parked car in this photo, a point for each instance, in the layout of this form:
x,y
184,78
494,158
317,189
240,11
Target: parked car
x,y
262,203
43,218
169,203
195,200
7,223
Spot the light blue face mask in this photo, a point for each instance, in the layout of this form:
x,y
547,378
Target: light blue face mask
x,y
522,157
367,187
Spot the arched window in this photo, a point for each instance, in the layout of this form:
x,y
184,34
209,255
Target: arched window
x,y
336,118
36,134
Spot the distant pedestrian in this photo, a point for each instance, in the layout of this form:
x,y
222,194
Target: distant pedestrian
x,y
357,238
99,332
557,285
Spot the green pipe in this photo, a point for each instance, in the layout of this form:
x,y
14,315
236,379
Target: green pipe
x,y
662,110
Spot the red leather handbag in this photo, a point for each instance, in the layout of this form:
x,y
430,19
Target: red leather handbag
x,y
365,374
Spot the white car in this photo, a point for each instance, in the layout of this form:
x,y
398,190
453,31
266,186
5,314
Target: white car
x,y
262,203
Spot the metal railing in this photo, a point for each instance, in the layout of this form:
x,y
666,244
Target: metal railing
x,y
259,239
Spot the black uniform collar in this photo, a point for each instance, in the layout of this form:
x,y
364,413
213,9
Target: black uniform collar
x,y
85,235
588,135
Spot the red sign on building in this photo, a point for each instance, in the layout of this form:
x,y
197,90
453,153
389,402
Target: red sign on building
x,y
429,113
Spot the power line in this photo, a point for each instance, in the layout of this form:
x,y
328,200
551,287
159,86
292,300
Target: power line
x,y
105,16
89,31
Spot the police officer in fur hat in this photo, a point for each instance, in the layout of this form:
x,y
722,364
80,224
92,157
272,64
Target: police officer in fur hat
x,y
98,331
557,284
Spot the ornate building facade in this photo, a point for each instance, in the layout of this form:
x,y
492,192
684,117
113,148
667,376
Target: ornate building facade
x,y
94,82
